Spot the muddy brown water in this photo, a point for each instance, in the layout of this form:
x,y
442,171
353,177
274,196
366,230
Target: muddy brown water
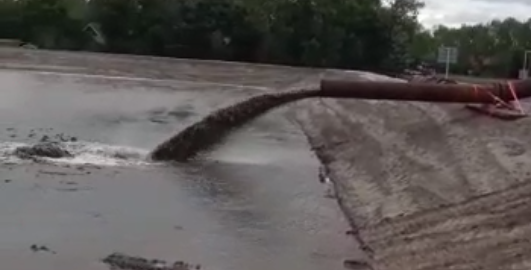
x,y
254,203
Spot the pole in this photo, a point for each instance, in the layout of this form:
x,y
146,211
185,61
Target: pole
x,y
524,66
447,62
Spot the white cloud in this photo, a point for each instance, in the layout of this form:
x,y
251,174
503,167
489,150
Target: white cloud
x,y
453,13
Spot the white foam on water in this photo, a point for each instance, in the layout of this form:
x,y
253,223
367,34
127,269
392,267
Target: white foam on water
x,y
6,152
84,153
102,154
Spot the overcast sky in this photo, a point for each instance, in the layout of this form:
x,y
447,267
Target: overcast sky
x,y
457,12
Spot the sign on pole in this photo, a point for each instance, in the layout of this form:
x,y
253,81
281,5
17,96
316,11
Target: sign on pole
x,y
447,56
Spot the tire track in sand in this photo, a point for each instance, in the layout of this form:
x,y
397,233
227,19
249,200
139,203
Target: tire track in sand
x,y
414,174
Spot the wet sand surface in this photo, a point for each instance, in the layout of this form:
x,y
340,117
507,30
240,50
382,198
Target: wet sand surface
x,y
255,203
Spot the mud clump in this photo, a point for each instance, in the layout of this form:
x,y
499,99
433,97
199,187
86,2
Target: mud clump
x,y
202,135
37,248
43,149
125,262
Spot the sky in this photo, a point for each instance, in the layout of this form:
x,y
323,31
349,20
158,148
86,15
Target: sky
x,y
453,13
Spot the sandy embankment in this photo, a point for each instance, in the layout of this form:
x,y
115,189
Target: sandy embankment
x,y
424,183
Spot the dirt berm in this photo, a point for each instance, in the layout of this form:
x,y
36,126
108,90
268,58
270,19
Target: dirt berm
x,y
426,186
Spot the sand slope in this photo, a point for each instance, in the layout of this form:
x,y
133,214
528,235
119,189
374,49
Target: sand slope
x,y
408,175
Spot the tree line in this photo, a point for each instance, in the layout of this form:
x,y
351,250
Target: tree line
x,y
495,48
380,35
361,34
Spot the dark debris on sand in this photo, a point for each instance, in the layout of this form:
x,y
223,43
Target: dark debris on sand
x,y
45,149
121,261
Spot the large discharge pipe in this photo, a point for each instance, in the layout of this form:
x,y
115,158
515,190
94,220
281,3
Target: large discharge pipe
x,y
453,93
210,130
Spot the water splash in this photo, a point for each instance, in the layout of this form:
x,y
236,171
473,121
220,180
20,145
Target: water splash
x,y
83,153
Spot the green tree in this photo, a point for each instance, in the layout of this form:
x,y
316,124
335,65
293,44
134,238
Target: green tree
x,y
47,23
10,19
362,34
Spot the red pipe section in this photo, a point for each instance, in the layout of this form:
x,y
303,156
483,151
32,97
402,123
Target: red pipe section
x,y
455,93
